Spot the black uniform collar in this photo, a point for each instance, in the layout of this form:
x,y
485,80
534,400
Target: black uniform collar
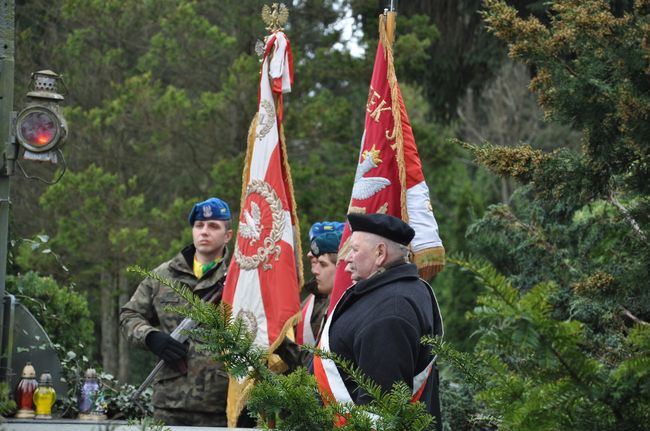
x,y
394,272
188,254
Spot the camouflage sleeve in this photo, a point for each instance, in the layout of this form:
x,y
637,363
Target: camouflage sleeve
x,y
137,316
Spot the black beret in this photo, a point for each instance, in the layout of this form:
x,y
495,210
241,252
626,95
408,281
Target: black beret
x,y
383,225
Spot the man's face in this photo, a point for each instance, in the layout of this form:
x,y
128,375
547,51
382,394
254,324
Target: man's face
x,y
313,261
363,259
210,237
324,271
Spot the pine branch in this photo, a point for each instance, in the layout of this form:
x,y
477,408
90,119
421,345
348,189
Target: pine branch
x,y
465,363
629,314
635,226
499,285
389,411
228,339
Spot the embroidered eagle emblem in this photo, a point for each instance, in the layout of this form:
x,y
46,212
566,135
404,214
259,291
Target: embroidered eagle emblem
x,y
251,228
366,187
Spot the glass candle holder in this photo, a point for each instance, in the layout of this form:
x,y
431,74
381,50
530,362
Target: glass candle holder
x,y
25,392
44,397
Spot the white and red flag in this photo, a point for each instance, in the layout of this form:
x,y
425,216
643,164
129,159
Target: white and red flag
x,y
389,177
264,277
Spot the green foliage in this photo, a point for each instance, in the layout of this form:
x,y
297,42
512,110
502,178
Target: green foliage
x,y
533,371
443,46
98,217
7,404
118,396
583,213
568,321
520,162
292,401
461,411
592,73
62,311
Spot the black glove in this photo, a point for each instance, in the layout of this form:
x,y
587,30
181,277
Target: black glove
x,y
167,349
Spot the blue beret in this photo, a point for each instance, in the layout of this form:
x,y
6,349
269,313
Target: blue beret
x,y
320,228
210,209
383,225
326,243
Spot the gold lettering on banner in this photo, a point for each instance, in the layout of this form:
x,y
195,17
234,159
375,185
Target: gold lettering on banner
x,y
378,110
375,104
372,97
391,136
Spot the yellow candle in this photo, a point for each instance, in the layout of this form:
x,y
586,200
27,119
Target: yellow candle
x,y
44,397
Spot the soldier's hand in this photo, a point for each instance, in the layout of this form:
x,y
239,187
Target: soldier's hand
x,y
167,349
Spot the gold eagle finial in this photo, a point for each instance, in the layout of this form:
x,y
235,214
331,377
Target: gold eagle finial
x,y
275,16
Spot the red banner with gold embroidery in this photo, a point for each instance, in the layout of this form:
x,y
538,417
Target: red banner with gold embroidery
x,y
389,177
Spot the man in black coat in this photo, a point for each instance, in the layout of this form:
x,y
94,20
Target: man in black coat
x,y
379,321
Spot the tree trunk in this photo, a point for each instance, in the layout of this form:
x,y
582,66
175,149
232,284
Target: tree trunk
x,y
123,360
109,325
505,190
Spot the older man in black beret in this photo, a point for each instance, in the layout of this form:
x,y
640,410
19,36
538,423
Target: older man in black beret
x,y
379,321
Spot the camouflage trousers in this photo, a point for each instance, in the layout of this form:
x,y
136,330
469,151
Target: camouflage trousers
x,y
183,417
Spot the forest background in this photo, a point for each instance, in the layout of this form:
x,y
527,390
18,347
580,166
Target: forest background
x,y
160,96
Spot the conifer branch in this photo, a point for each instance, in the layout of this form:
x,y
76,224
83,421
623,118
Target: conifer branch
x,y
629,314
635,226
501,287
465,363
228,339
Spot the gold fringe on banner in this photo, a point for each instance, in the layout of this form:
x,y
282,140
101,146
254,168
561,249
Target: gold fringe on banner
x,y
397,117
294,212
429,261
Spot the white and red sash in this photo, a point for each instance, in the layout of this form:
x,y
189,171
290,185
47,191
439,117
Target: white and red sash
x,y
304,331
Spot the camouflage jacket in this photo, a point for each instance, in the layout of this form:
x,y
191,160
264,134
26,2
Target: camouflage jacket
x,y
205,385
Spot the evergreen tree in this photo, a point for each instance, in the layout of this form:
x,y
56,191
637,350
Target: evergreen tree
x,y
564,334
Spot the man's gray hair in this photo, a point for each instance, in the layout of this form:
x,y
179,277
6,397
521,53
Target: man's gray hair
x,y
396,251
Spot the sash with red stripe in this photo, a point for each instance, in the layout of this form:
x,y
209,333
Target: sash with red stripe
x,y
304,331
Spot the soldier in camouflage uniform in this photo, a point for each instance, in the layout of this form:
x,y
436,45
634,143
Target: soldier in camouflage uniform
x,y
191,389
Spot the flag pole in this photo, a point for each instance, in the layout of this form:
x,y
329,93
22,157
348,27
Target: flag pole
x,y
391,15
